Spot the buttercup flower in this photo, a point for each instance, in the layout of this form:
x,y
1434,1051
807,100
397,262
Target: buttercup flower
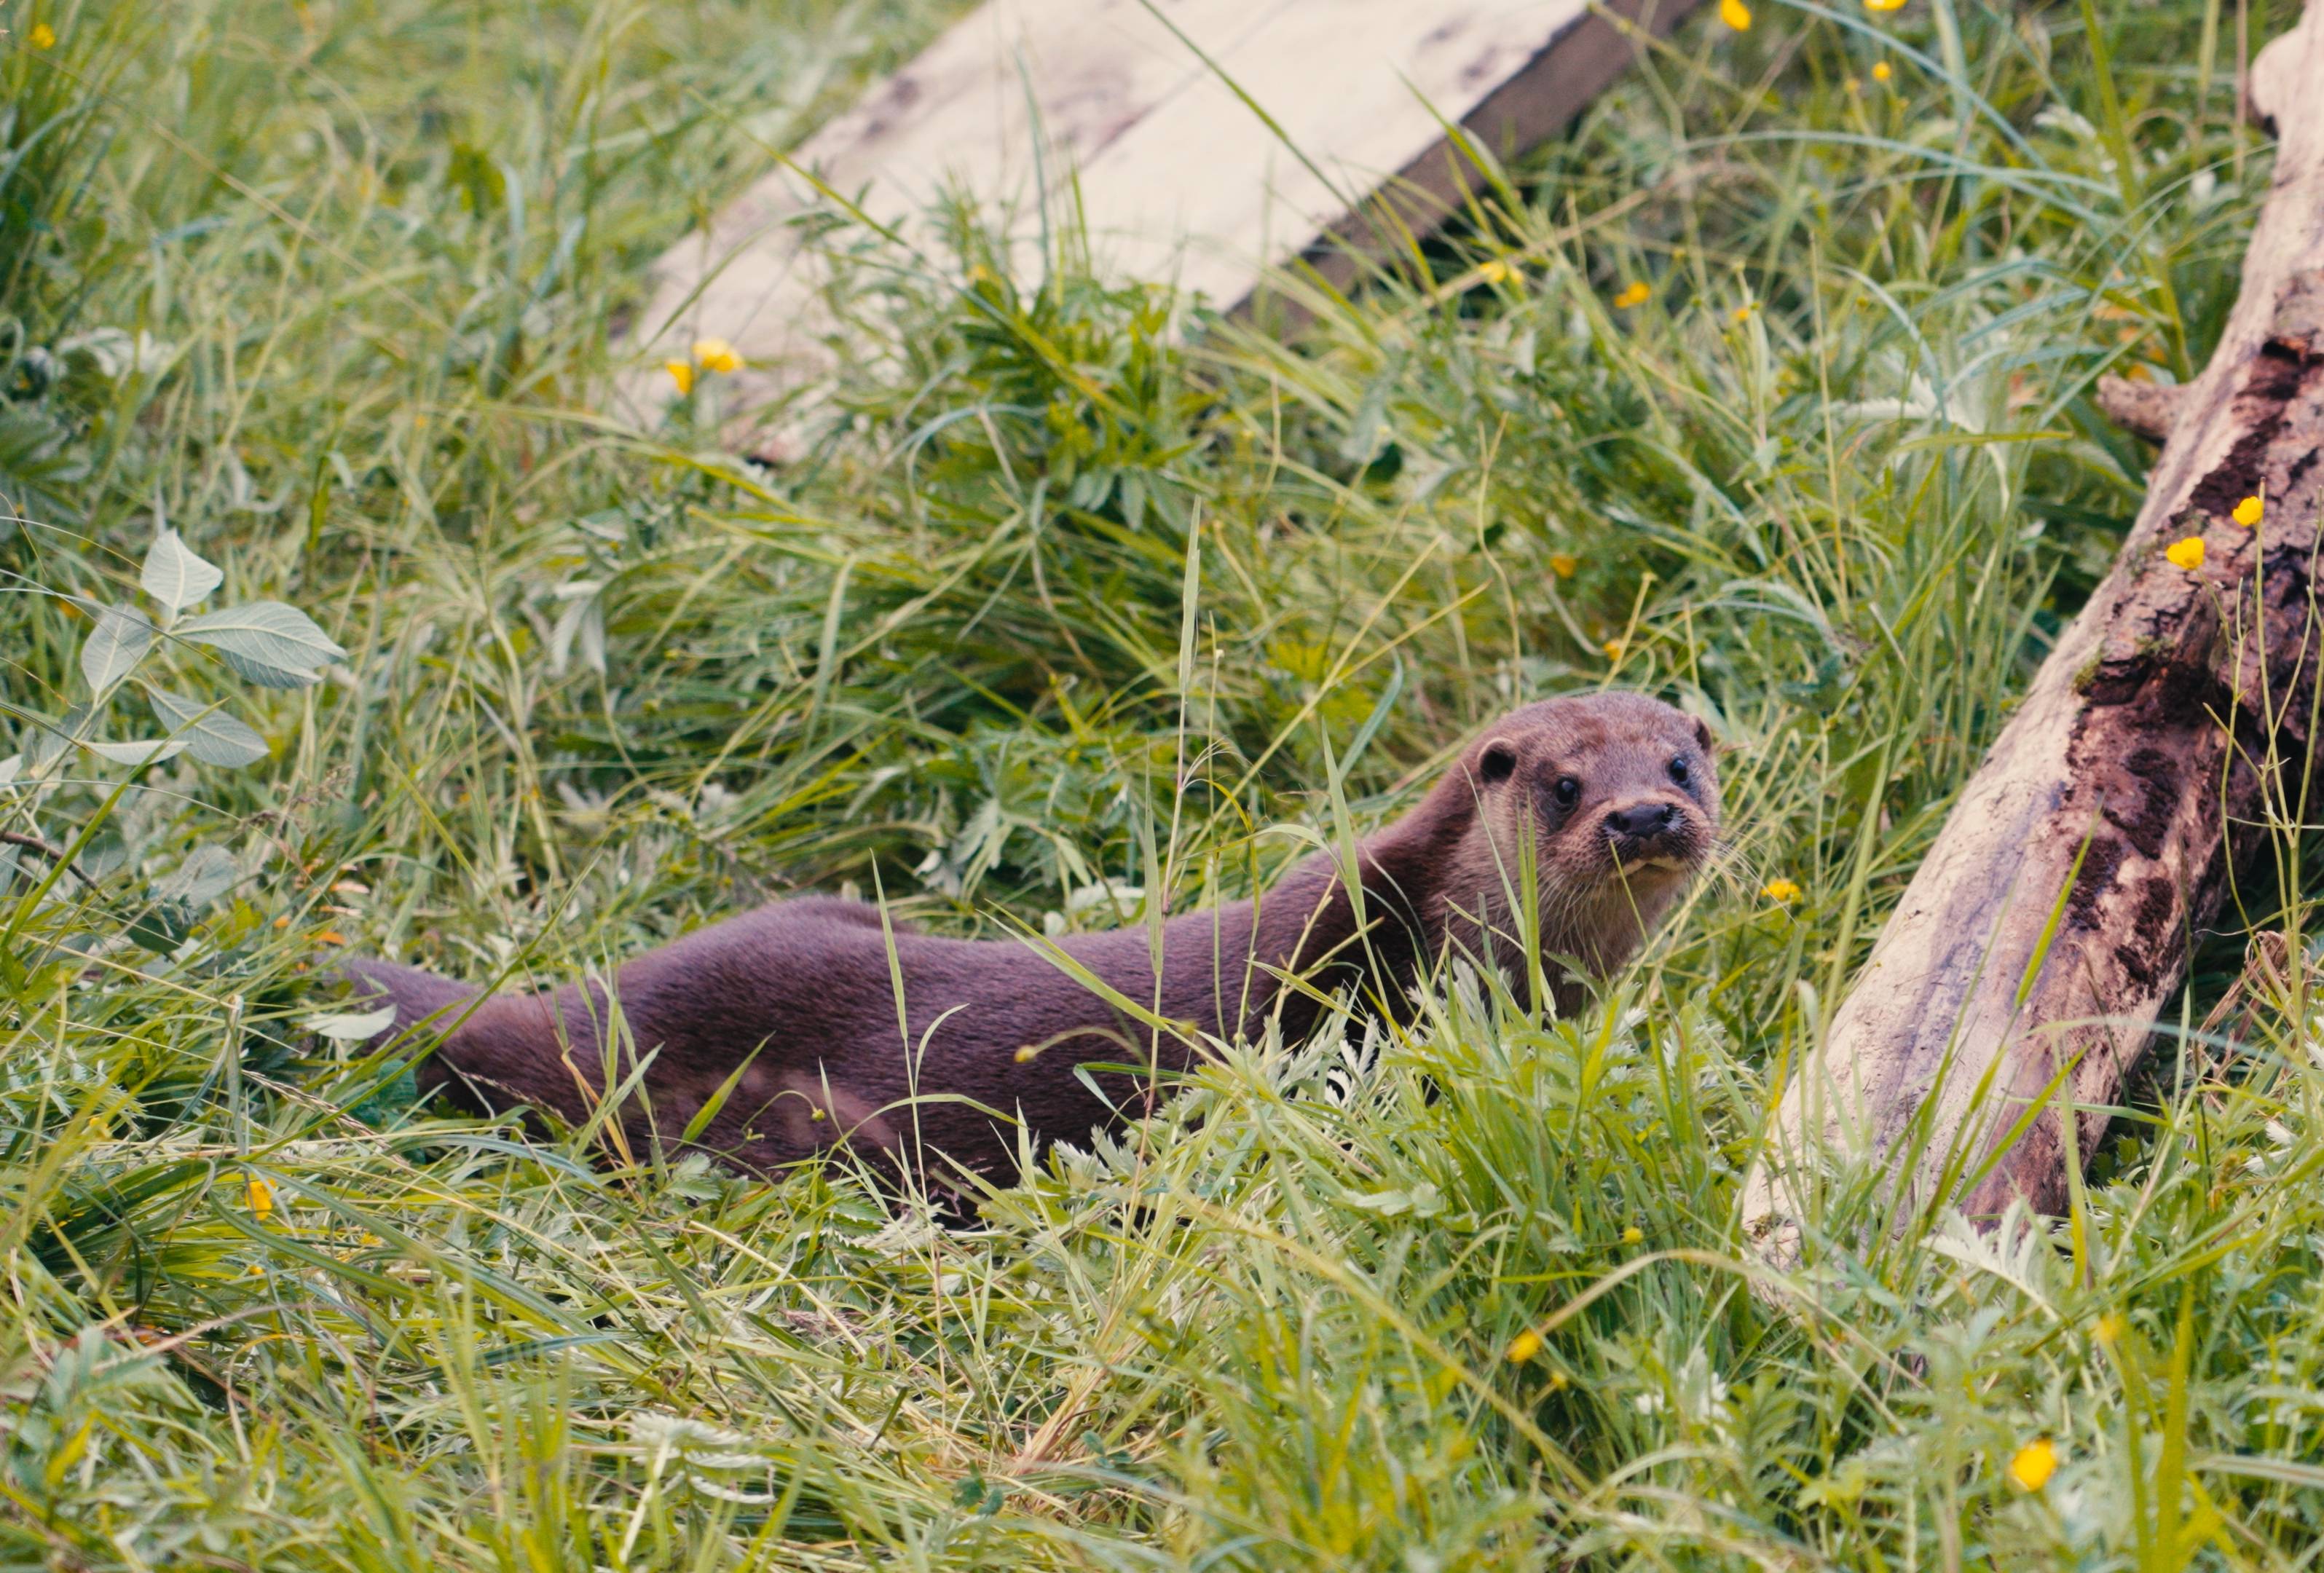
x,y
2186,554
2033,1465
1496,271
715,354
1882,70
2248,511
1884,5
1523,1347
259,1196
1735,14
1633,1235
682,374
42,36
1633,294
1563,565
1613,649
1785,890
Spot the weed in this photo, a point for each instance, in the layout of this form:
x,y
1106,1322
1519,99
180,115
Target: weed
x,y
1077,586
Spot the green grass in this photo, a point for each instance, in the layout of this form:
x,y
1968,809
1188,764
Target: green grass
x,y
1072,584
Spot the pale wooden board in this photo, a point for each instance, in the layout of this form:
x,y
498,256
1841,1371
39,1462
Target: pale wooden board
x,y
1179,179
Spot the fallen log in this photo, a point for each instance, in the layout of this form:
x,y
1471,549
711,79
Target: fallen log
x,y
2021,975
2147,409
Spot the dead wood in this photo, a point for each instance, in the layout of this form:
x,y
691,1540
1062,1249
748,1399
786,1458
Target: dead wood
x,y
2169,728
1368,123
2146,410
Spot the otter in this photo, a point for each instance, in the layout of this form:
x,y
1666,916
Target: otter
x,y
787,1017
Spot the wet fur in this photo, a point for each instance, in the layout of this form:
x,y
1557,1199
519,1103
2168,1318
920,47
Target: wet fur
x,y
797,997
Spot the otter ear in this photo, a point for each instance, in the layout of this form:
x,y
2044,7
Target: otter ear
x,y
1498,762
1702,736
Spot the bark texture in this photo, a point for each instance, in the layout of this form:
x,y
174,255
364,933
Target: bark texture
x,y
2147,409
2132,787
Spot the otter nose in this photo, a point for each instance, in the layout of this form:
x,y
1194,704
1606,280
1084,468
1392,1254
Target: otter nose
x,y
1643,819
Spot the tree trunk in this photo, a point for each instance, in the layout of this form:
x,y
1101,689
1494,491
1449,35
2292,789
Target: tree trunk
x,y
2174,724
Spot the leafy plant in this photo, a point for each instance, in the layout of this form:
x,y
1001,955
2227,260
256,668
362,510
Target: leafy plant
x,y
264,642
1766,389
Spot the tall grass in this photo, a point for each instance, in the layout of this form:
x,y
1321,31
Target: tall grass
x,y
1078,584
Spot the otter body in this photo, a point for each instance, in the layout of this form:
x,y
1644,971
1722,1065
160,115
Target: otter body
x,y
797,1005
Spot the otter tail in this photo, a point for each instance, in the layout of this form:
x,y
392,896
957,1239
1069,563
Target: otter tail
x,y
418,997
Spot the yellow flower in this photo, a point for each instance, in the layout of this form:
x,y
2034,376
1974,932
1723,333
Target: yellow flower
x,y
1563,565
1735,14
1785,890
1523,1347
2247,512
1884,5
1633,1235
1882,70
2033,1465
1556,1381
2109,1328
1743,312
715,354
1635,293
682,374
2186,554
1613,649
1496,271
260,1196
42,36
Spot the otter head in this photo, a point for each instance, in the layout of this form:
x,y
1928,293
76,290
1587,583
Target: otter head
x,y
1616,793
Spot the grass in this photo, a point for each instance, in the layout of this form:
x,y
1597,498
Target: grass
x,y
1076,585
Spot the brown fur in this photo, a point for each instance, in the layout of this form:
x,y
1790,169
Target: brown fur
x,y
802,989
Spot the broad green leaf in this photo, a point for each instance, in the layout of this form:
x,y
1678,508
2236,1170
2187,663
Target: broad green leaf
x,y
144,751
208,873
46,741
350,1027
174,575
266,642
214,737
266,676
114,647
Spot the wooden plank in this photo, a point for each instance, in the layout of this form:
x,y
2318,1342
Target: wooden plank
x,y
1179,178
2172,724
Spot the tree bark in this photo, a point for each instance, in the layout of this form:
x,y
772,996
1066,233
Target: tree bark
x,y
2170,728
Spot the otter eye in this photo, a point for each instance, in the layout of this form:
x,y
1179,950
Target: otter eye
x,y
1679,772
1568,791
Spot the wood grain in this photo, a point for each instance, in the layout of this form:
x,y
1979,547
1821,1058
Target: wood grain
x,y
2131,789
1177,178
